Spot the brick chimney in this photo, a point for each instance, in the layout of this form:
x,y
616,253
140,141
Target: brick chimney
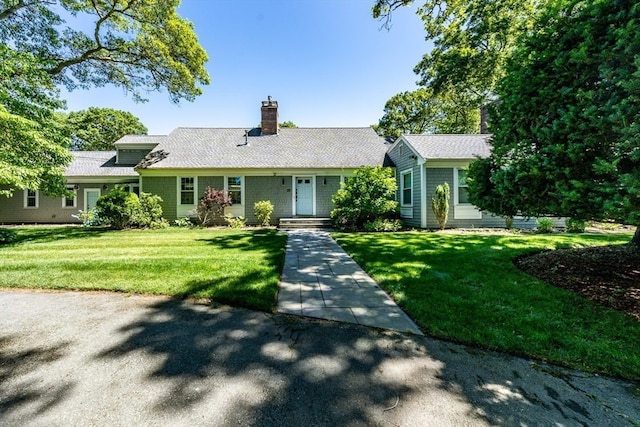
x,y
269,117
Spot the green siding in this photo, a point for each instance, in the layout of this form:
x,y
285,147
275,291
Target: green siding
x,y
258,188
401,157
324,193
435,177
216,182
131,157
165,187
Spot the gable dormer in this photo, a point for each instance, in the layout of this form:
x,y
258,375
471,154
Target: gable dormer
x,y
130,149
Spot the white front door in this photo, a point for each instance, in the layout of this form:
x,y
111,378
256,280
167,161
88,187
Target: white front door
x,y
304,196
90,198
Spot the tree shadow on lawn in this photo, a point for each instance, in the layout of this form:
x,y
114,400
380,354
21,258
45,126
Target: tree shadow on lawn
x,y
51,234
248,368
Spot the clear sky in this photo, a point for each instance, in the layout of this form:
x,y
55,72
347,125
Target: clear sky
x,y
328,63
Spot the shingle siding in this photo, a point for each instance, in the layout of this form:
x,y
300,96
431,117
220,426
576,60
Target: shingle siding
x,y
258,188
216,182
401,157
131,157
324,193
166,188
435,177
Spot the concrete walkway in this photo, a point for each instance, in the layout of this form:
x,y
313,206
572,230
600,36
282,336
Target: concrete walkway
x,y
320,280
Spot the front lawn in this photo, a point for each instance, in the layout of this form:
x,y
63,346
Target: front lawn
x,y
228,266
465,288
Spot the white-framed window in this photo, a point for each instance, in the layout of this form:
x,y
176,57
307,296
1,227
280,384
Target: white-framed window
x,y
134,188
462,193
234,186
70,202
187,189
406,187
31,199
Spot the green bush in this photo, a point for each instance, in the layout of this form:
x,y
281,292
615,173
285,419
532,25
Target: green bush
x,y
119,209
365,197
7,236
148,212
183,222
89,218
235,221
575,225
383,224
263,210
544,225
440,204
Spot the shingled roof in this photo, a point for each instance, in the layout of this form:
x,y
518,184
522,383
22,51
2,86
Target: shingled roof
x,y
97,163
290,148
452,146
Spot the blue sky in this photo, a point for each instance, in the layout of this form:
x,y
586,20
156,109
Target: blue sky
x,y
326,62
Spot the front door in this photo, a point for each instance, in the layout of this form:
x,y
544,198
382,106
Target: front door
x,y
90,198
304,196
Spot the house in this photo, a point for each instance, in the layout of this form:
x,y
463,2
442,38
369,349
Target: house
x,y
297,169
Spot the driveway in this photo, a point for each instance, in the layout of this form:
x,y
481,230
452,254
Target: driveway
x,y
111,359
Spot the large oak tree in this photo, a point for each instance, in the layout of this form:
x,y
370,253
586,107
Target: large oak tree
x,y
97,129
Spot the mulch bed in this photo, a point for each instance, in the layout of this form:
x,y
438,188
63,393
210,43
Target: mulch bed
x,y
608,275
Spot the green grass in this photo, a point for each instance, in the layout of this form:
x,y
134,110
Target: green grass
x,y
465,288
228,266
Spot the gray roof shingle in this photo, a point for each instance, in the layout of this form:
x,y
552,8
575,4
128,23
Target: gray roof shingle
x,y
97,163
140,140
290,148
463,146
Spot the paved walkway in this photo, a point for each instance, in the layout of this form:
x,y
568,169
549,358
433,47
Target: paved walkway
x,y
320,280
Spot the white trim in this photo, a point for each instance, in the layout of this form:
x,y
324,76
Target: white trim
x,y
294,178
26,197
75,198
423,196
462,210
87,190
401,142
186,209
402,188
236,209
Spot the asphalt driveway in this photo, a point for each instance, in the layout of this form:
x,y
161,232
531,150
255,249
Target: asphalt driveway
x,y
111,359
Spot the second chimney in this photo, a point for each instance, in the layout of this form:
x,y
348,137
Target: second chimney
x,y
269,117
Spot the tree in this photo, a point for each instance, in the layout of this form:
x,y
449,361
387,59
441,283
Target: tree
x,y
33,138
96,129
140,46
367,196
288,124
423,111
472,40
566,135
440,204
211,205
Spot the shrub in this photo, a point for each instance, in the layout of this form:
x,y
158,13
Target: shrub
x,y
365,197
544,225
263,210
147,212
383,225
235,221
508,222
440,204
117,207
183,222
212,205
575,225
7,236
89,218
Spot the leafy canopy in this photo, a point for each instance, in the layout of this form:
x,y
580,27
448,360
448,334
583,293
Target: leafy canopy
x,y
423,111
97,129
566,134
140,46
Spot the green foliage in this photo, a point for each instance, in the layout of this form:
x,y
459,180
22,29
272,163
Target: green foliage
x,y
211,205
383,224
7,236
567,130
575,225
184,222
235,221
117,207
288,124
263,210
423,111
544,225
89,218
138,46
440,204
33,139
365,197
508,222
96,129
472,40
148,212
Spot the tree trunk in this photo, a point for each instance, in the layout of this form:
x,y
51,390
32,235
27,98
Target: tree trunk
x,y
635,241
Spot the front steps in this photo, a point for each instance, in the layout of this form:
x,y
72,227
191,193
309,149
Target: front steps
x,y
302,223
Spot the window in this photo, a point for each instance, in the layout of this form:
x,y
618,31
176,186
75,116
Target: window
x,y
406,179
70,202
31,199
134,188
234,188
463,190
187,191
